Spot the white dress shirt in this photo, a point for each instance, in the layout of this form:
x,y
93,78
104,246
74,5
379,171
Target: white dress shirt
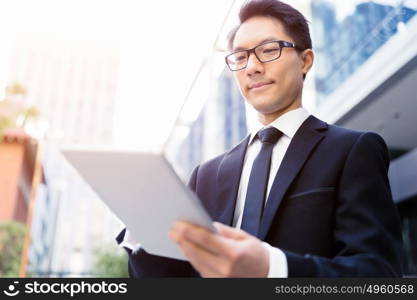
x,y
288,124
129,242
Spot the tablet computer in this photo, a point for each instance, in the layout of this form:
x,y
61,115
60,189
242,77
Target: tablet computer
x,y
143,191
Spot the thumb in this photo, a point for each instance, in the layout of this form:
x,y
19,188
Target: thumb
x,y
230,232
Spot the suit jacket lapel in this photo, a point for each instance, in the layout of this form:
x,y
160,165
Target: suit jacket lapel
x,y
303,142
228,180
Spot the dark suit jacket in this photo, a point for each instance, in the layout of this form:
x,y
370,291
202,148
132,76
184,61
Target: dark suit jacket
x,y
330,207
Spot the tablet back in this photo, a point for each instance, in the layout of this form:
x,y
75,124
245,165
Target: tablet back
x,y
143,191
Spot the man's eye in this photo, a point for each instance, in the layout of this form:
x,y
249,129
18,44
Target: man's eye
x,y
240,58
271,50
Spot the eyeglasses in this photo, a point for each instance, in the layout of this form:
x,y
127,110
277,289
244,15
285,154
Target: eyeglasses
x,y
264,52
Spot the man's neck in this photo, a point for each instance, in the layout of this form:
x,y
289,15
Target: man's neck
x,y
266,119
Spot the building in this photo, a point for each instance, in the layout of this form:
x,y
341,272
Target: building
x,y
220,125
366,66
344,46
73,84
18,153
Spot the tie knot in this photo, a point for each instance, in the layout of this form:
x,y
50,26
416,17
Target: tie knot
x,y
269,135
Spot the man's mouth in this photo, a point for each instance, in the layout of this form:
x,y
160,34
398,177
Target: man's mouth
x,y
258,85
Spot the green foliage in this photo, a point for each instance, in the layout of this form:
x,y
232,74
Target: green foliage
x,y
11,242
111,262
4,124
15,114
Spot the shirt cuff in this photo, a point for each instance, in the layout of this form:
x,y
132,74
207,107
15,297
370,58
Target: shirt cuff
x,y
129,242
278,265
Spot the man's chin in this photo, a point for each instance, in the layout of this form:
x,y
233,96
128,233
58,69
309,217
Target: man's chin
x,y
264,108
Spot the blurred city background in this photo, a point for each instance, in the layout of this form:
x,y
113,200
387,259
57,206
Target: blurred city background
x,y
151,76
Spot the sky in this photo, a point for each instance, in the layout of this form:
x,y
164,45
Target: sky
x,y
160,59
162,45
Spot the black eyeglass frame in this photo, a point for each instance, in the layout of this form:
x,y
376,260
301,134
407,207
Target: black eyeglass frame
x,y
282,44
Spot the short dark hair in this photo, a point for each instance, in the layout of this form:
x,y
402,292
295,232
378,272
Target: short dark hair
x,y
295,24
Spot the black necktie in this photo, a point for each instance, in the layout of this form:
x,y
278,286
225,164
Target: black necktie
x,y
258,181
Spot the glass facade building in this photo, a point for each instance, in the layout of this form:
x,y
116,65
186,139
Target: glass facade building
x,y
347,46
342,46
220,125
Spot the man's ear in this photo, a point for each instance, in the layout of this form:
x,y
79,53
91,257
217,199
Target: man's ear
x,y
307,57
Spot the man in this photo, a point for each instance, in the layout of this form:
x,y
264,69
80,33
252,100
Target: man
x,y
297,197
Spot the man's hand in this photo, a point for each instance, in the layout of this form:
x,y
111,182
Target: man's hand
x,y
230,252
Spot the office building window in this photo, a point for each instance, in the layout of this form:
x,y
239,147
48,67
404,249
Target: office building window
x,y
408,213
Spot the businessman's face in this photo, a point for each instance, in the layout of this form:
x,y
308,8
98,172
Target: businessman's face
x,y
274,87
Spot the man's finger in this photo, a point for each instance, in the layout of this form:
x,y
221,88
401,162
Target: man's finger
x,y
211,242
207,264
230,232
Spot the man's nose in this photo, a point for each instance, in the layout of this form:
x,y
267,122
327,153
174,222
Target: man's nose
x,y
254,65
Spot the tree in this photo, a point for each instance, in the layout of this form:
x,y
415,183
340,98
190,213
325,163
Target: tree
x,y
110,262
14,113
12,234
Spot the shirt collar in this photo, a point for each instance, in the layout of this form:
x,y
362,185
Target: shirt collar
x,y
288,123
